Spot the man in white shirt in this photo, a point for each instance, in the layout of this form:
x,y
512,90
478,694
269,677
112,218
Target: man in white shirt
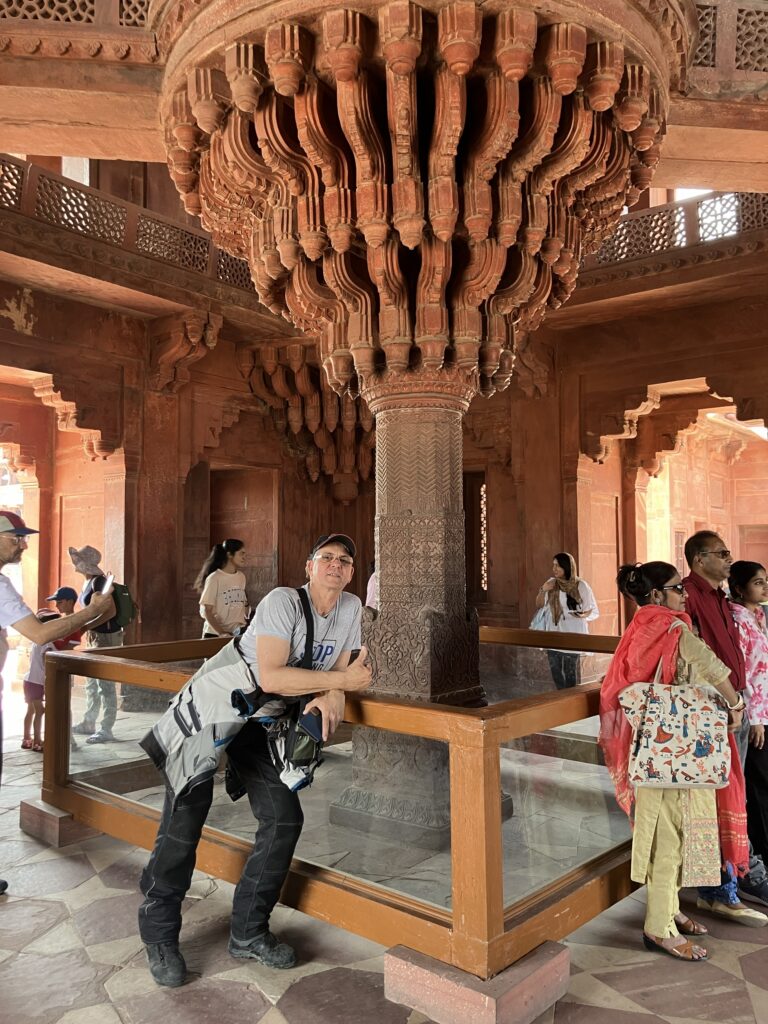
x,y
14,612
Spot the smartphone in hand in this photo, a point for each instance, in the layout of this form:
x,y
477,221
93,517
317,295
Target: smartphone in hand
x,y
109,580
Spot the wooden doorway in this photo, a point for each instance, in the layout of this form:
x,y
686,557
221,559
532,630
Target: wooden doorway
x,y
244,505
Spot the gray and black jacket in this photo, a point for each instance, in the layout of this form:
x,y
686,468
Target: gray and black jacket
x,y
203,717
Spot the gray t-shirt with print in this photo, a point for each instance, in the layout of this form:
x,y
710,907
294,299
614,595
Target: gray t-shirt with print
x,y
280,614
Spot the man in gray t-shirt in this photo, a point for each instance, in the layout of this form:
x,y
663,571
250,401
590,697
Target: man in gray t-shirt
x,y
280,615
273,646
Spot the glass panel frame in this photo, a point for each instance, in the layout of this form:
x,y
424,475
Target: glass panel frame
x,y
479,934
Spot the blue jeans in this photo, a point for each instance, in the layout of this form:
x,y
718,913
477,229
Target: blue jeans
x,y
727,891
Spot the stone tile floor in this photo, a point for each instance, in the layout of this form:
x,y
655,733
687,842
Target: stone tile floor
x,y
69,952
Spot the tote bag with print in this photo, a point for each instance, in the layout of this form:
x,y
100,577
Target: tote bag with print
x,y
680,734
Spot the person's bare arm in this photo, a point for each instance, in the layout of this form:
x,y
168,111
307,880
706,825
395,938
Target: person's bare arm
x,y
213,621
276,677
101,608
543,595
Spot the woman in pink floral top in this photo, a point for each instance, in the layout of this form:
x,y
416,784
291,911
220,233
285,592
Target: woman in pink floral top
x,y
748,584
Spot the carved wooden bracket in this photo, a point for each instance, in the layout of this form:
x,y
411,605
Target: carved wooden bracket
x,y
177,342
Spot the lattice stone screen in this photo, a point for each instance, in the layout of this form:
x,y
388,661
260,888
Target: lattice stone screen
x,y
79,211
752,39
81,11
133,13
706,50
11,182
719,217
172,244
233,271
754,210
655,231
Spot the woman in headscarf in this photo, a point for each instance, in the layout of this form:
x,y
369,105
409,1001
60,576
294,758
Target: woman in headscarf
x,y
681,835
569,605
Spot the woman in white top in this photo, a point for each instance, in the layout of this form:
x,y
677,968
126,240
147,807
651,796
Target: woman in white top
x,y
221,583
569,605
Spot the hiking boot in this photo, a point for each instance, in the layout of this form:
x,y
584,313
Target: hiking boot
x,y
166,963
84,729
265,949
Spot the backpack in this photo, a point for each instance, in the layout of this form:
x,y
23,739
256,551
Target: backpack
x,y
125,606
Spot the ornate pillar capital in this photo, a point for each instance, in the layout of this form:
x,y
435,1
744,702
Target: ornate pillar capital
x,y
449,388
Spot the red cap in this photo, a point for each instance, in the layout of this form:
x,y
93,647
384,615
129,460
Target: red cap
x,y
11,523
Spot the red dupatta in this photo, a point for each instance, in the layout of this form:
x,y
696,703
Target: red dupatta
x,y
648,639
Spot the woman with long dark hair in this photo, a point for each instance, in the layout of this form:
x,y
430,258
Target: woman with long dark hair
x,y
748,584
221,585
681,835
569,605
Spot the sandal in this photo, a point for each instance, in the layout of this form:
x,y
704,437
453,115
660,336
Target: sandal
x,y
685,951
26,743
37,748
687,926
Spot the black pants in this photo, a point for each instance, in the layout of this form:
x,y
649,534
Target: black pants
x,y
167,876
756,776
564,668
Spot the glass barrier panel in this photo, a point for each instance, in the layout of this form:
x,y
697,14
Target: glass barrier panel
x,y
564,812
378,809
511,670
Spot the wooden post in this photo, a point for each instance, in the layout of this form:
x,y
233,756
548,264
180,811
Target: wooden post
x,y
476,852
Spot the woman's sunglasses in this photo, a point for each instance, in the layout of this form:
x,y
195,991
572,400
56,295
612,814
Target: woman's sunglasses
x,y
677,587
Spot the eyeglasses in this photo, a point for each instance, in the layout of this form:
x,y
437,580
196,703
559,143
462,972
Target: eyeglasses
x,y
720,553
330,559
677,587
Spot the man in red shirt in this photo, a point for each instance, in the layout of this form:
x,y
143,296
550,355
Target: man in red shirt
x,y
710,562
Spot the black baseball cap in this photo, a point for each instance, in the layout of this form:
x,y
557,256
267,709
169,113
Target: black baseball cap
x,y
335,538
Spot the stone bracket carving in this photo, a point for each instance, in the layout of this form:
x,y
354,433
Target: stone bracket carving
x,y
81,407
177,342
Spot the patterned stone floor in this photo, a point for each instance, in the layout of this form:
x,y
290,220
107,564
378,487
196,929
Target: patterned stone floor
x,y
69,953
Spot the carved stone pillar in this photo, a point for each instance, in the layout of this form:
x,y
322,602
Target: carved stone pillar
x,y
423,644
415,190
423,640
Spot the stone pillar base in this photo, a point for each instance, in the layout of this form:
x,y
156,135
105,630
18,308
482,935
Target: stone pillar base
x,y
385,823
524,993
55,827
400,790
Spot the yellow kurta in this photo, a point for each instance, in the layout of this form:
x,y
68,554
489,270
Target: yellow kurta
x,y
676,841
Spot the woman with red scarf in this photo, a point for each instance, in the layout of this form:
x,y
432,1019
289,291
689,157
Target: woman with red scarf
x,y
681,836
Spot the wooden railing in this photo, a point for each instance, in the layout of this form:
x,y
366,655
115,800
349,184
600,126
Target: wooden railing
x,y
478,934
38,193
